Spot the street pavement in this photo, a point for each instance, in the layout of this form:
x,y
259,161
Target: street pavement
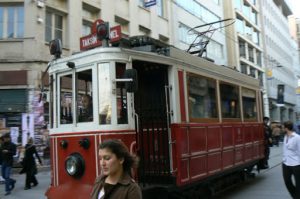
x,y
37,192
268,184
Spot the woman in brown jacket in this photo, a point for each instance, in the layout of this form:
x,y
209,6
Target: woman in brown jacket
x,y
116,181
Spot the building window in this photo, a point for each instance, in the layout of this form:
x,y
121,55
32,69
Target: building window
x,y
86,28
238,4
240,26
11,22
258,58
251,53
242,47
160,7
89,15
54,26
244,68
217,2
198,10
252,72
214,49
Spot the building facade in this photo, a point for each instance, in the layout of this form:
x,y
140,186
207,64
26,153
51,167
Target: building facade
x,y
280,53
250,45
27,27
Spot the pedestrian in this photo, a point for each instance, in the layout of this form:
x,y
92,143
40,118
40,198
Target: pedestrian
x,y
1,178
116,181
263,164
29,164
8,150
276,130
291,160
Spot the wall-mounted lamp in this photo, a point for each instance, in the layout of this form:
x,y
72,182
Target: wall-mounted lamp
x,y
71,64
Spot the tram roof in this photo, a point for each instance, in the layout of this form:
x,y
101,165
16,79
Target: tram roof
x,y
174,56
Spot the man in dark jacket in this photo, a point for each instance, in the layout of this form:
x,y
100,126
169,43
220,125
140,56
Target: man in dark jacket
x,y
263,164
8,150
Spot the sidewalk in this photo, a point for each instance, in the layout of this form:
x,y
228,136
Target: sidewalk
x,y
268,184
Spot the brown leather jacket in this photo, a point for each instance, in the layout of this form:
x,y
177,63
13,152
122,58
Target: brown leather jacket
x,y
126,188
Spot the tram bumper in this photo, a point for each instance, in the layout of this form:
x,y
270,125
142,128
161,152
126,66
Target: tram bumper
x,y
77,191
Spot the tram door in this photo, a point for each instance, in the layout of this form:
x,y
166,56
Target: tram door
x,y
151,102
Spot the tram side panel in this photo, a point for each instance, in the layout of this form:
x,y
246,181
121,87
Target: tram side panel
x,y
203,150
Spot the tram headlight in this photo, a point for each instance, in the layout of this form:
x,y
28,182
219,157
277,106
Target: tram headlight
x,y
75,165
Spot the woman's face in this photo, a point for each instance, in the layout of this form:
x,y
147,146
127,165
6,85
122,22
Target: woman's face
x,y
109,162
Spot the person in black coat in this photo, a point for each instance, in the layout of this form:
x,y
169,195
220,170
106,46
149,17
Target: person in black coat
x,y
29,164
263,164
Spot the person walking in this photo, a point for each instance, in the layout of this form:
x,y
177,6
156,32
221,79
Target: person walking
x,y
276,130
8,150
116,181
29,164
291,160
2,181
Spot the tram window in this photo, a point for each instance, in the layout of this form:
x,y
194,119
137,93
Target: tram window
x,y
84,96
104,94
202,97
121,95
229,101
249,103
66,98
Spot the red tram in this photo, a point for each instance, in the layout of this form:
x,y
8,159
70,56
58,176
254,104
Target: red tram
x,y
196,126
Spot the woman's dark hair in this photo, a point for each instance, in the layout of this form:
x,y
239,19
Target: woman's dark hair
x,y
121,151
289,125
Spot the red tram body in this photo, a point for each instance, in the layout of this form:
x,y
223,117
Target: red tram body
x,y
191,122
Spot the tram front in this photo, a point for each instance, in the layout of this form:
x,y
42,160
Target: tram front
x,y
89,103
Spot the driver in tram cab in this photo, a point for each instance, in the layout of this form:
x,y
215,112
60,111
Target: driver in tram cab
x,y
86,112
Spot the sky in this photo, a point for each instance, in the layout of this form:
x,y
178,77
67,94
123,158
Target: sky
x,y
296,7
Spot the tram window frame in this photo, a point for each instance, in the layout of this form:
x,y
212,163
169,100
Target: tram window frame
x,y
249,93
121,93
105,93
59,100
84,97
212,116
224,96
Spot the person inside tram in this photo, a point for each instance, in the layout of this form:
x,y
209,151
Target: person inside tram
x,y
116,180
86,112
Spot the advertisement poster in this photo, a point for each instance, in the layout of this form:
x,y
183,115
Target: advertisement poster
x,y
14,133
27,127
